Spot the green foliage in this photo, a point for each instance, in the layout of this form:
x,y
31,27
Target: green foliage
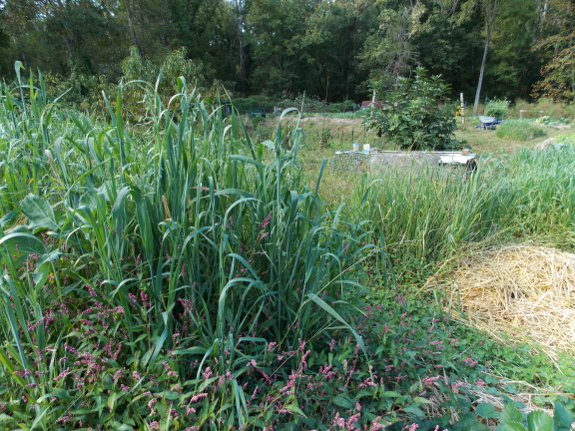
x,y
179,274
519,130
139,73
511,419
558,81
429,213
496,108
310,105
167,276
417,115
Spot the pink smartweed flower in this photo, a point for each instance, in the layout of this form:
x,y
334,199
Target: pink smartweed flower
x,y
266,220
32,327
430,381
454,387
197,397
375,426
62,374
207,373
470,362
90,290
70,349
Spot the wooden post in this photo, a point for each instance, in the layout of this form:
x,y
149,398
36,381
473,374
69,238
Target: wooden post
x,y
462,109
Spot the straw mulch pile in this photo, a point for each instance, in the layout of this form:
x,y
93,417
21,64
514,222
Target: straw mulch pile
x,y
525,291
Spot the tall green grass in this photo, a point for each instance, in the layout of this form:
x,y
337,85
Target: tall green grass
x,y
432,215
519,130
180,246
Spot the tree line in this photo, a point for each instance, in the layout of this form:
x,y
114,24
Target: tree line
x,y
334,50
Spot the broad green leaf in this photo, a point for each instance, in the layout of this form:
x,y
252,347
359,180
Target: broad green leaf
x,y
414,410
23,243
391,394
112,400
40,213
513,426
473,425
486,410
295,409
5,418
562,417
60,393
539,421
343,401
510,413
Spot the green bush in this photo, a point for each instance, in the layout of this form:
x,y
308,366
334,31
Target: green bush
x,y
519,130
417,115
496,108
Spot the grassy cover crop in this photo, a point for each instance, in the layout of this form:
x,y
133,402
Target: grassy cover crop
x,y
519,130
432,215
178,275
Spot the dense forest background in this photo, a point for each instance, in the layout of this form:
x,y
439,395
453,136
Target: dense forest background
x,y
334,50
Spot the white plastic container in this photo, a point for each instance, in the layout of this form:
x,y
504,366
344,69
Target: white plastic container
x,y
366,148
356,146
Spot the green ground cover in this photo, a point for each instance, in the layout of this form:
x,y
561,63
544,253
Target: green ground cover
x,y
193,272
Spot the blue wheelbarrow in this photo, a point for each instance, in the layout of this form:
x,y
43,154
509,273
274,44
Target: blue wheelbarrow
x,y
488,122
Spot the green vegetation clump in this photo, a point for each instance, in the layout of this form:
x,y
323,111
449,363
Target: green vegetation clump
x,y
519,130
177,274
417,114
282,103
496,108
430,214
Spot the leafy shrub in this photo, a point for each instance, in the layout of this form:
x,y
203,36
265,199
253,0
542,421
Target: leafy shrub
x,y
496,108
417,115
519,130
549,107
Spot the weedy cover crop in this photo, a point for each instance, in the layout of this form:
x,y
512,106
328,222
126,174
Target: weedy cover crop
x,y
178,275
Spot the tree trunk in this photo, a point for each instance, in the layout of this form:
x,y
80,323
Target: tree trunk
x,y
481,72
130,10
241,48
490,8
